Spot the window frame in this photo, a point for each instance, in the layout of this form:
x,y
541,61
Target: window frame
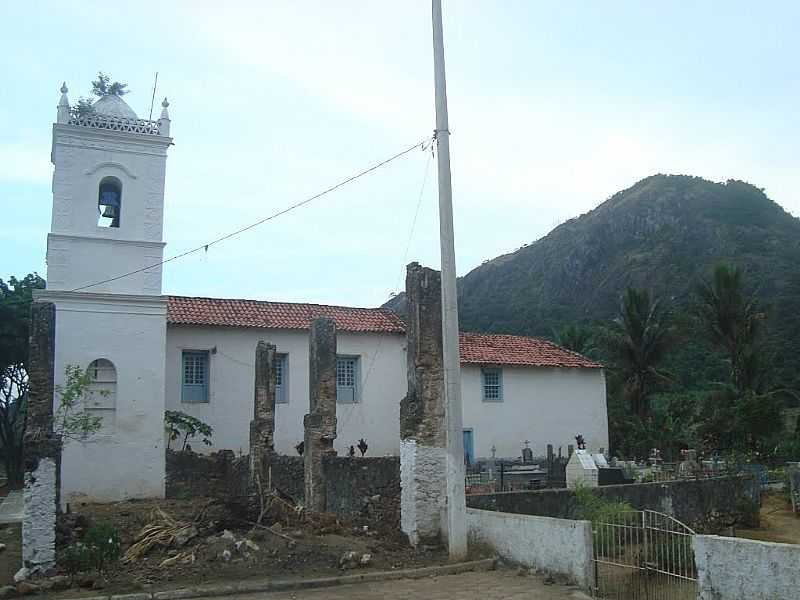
x,y
207,392
356,379
282,390
498,386
102,392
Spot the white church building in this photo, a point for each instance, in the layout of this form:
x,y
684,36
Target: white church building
x,y
151,353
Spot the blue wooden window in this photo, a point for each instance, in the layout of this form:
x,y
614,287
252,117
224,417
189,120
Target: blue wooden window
x,y
194,377
281,379
492,384
347,379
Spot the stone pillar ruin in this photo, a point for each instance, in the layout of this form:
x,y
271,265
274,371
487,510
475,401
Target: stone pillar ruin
x,y
320,422
262,427
423,451
42,449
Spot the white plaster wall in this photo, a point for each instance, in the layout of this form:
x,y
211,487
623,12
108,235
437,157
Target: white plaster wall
x,y
230,409
422,490
126,458
559,546
39,521
79,252
543,405
739,569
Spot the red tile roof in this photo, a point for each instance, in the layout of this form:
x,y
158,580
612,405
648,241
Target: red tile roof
x,y
476,348
492,349
184,310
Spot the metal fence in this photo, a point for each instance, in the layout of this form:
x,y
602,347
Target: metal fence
x,y
643,555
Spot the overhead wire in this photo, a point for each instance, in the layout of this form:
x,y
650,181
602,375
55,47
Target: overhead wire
x,y
375,354
376,166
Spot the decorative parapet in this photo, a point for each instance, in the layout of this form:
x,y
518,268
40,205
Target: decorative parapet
x,y
99,121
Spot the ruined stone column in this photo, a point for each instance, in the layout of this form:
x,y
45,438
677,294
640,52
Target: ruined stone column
x,y
42,450
320,422
423,451
262,427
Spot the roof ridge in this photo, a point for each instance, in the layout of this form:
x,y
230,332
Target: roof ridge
x,y
259,301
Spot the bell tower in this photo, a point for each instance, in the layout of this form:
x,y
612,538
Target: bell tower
x,y
104,254
108,199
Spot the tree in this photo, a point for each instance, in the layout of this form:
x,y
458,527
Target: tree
x,y
635,344
178,423
15,308
72,421
733,322
743,413
102,86
576,338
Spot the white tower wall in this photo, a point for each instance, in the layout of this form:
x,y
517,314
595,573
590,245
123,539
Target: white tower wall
x,y
122,321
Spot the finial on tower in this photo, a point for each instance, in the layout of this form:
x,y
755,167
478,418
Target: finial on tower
x,y
163,121
63,105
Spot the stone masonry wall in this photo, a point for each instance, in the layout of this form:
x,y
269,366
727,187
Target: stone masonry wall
x,y
42,450
695,502
423,453
364,487
356,486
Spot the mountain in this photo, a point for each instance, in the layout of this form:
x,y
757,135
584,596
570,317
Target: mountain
x,y
664,234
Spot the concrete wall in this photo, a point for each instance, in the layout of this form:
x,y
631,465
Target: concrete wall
x,y
695,502
738,569
126,458
541,405
557,546
230,408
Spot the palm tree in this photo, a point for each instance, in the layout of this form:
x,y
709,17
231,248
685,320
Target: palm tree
x,y
576,338
636,344
733,322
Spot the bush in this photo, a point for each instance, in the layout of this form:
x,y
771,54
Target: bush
x,y
607,518
178,423
103,546
75,559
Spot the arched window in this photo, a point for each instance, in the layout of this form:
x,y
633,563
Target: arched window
x,y
103,387
109,202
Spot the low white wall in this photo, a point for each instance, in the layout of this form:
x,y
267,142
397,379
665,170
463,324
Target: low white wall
x,y
559,546
739,569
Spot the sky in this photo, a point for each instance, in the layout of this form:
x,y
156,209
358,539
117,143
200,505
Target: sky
x,y
554,107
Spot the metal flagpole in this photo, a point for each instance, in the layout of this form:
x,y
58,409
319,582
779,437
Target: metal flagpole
x,y
456,529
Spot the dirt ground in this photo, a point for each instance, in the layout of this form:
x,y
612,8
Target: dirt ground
x,y
11,558
778,524
314,550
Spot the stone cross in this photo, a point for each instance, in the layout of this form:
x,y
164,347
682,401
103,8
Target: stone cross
x,y
320,422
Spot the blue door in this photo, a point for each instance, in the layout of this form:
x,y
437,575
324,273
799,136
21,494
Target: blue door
x,y
469,447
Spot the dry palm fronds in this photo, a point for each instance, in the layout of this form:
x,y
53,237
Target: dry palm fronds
x,y
162,531
184,558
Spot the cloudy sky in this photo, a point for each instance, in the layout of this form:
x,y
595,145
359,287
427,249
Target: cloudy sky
x,y
554,106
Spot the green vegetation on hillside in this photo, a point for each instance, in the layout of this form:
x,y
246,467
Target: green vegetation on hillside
x,y
665,235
